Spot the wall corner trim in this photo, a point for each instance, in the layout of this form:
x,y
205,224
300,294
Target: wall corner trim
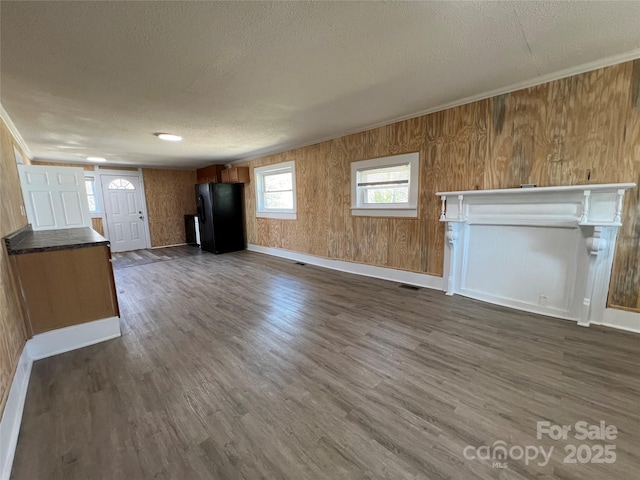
x,y
12,415
383,273
16,134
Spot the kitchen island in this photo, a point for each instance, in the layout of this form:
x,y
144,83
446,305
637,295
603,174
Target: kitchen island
x,y
65,277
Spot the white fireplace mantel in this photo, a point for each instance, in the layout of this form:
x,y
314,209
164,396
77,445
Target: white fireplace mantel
x,y
547,250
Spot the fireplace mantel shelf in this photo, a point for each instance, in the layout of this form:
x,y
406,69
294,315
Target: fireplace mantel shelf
x,y
561,206
543,190
546,250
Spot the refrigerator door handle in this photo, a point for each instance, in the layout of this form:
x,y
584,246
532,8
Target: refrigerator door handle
x,y
201,210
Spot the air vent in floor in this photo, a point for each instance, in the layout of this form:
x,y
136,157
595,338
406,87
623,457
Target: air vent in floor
x,y
409,287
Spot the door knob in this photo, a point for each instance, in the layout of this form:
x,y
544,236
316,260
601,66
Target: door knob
x,y
141,217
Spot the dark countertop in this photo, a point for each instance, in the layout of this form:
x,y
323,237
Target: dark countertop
x,y
26,240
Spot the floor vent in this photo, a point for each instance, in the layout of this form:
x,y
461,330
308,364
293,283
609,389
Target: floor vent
x,y
409,287
300,263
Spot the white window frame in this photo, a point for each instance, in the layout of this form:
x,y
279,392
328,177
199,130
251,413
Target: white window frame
x,y
94,177
407,210
259,173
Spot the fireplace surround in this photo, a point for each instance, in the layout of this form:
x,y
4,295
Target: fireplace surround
x,y
546,250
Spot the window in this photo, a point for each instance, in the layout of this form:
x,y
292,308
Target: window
x,y
385,187
92,195
276,191
121,184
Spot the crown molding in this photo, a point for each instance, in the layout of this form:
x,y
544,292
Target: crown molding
x,y
14,131
540,80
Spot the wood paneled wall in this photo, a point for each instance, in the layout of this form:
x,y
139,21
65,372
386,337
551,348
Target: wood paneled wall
x,y
12,326
170,195
98,225
578,130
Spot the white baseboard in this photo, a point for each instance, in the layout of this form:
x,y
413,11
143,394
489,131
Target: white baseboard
x,y
42,346
621,319
12,415
516,304
384,273
167,246
71,338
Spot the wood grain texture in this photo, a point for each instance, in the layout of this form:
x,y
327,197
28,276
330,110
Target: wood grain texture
x,y
626,270
66,287
525,136
269,370
136,258
578,130
98,225
235,175
170,195
210,174
12,326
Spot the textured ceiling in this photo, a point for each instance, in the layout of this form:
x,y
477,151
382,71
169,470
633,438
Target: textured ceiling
x,y
239,79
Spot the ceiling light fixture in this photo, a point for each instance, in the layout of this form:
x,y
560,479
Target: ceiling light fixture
x,y
169,137
96,159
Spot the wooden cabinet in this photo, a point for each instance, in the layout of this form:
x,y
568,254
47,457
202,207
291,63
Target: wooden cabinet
x,y
210,174
66,287
235,175
219,174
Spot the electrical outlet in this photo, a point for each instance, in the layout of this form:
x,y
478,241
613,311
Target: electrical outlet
x,y
22,211
543,300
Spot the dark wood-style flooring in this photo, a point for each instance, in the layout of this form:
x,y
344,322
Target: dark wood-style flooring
x,y
143,257
244,366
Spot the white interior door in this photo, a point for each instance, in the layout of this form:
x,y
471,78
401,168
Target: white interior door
x,y
124,212
54,197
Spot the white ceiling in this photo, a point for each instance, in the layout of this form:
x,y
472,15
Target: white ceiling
x,y
240,79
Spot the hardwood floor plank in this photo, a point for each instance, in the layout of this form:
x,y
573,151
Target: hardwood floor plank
x,y
245,366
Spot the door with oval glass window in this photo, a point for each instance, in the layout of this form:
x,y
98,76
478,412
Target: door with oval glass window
x,y
124,213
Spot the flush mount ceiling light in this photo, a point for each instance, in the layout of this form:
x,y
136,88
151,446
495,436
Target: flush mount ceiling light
x,y
169,137
96,159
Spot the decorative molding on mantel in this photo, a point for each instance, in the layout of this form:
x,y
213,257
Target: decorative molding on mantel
x,y
547,250
589,205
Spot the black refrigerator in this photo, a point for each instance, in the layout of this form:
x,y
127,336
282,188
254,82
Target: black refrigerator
x,y
220,217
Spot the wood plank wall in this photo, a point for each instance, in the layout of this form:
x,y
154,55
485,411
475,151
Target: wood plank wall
x,y
578,130
12,326
98,225
170,195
